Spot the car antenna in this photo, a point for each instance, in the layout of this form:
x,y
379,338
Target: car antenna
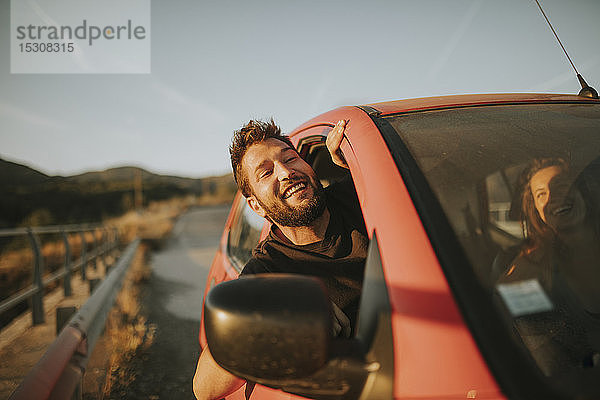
x,y
586,90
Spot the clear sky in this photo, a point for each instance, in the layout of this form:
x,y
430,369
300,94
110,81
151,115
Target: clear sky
x,y
216,64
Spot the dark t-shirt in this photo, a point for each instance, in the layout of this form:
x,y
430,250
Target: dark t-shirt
x,y
338,260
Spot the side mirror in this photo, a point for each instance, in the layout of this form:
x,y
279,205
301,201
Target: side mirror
x,y
276,330
271,326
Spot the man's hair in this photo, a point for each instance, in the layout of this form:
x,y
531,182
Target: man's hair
x,y
253,132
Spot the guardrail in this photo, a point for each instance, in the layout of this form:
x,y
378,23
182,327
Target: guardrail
x,y
59,372
109,242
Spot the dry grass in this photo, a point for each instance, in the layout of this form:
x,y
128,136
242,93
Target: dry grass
x,y
127,329
220,197
153,223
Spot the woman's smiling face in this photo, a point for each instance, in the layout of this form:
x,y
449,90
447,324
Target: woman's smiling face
x,y
558,203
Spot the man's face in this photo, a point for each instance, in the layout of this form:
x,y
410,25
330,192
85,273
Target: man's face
x,y
285,189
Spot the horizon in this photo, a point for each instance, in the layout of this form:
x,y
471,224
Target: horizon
x,y
26,164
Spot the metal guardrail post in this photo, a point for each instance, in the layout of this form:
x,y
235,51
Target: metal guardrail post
x,y
116,239
63,315
68,267
83,256
105,248
37,299
94,283
95,257
112,245
102,248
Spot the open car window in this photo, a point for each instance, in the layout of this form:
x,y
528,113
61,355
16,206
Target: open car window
x,y
503,218
313,151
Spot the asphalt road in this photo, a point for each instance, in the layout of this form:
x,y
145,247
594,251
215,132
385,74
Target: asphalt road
x,y
173,302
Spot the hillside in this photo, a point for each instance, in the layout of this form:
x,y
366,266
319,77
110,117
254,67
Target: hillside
x,y
30,197
12,174
127,173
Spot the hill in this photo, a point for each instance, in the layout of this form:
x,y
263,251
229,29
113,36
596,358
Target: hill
x,y
12,174
128,173
33,198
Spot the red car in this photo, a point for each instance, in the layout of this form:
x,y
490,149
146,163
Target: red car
x,y
461,298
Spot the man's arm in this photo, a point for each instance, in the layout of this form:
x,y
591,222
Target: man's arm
x,y
211,382
333,142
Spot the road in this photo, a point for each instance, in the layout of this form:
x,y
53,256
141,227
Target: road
x,y
173,302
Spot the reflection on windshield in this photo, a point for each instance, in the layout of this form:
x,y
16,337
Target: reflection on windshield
x,y
520,186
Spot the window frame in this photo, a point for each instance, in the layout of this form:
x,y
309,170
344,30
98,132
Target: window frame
x,y
237,225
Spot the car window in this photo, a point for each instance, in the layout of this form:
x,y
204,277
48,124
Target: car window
x,y
520,187
244,234
313,150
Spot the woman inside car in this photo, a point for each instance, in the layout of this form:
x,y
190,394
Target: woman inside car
x,y
560,259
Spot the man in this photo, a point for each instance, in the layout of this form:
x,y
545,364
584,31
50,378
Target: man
x,y
315,231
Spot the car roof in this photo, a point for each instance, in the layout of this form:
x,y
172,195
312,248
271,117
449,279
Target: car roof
x,y
428,103
440,102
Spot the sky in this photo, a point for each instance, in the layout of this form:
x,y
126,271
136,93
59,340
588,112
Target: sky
x,y
217,64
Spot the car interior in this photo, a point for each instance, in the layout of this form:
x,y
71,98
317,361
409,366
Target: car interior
x,y
313,151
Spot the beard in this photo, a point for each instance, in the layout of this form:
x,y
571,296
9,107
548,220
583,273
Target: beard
x,y
281,213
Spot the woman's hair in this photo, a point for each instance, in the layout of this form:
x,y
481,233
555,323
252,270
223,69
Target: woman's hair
x,y
538,233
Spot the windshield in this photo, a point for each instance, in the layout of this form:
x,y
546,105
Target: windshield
x,y
520,186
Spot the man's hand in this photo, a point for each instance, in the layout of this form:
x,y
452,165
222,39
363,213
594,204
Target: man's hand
x,y
341,323
211,382
333,142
